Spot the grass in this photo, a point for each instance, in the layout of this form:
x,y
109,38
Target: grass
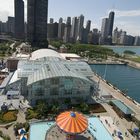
x,y
97,108
8,117
136,59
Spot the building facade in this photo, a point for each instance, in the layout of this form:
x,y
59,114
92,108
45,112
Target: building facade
x,y
11,26
104,31
19,19
61,27
80,27
37,22
48,76
74,29
67,31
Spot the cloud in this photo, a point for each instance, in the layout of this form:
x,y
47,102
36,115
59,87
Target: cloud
x,y
131,27
126,13
4,15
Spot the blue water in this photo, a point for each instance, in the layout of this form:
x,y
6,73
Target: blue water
x,y
38,130
101,133
123,77
121,49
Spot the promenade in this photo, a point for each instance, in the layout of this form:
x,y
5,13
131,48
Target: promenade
x,y
105,89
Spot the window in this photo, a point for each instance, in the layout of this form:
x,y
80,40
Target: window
x,y
54,81
54,91
68,83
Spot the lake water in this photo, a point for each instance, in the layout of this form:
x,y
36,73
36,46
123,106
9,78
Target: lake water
x,y
121,49
123,77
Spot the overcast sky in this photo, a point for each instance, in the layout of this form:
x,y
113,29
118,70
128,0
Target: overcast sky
x,y
127,12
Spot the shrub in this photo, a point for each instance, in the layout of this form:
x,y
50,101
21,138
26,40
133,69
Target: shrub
x,y
8,117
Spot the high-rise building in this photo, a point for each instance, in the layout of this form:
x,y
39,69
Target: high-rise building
x,y
107,28
61,27
123,38
95,36
74,29
67,30
84,38
37,22
4,27
104,31
52,31
88,25
137,41
11,25
80,27
110,23
61,20
115,36
0,27
19,19
51,20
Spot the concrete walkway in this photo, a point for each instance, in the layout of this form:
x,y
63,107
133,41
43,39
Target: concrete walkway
x,y
117,120
105,89
10,130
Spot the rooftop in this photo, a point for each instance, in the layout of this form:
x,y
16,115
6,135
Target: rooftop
x,y
123,107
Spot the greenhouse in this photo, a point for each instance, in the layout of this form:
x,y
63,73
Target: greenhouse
x,y
51,77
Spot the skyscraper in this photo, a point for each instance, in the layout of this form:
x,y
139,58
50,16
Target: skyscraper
x,y
51,20
37,22
61,27
74,29
19,19
11,25
110,23
104,30
67,30
88,25
107,28
80,26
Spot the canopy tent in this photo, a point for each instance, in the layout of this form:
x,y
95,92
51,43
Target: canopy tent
x,y
72,122
22,131
23,137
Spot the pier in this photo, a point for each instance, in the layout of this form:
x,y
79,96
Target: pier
x,y
106,88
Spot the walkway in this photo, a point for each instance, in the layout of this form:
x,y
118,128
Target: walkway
x,y
10,130
105,89
118,121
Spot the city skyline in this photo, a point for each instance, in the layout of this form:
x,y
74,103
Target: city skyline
x,y
126,17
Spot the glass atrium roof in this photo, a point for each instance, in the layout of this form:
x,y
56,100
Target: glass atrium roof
x,y
45,63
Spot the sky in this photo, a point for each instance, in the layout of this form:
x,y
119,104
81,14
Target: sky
x,y
127,12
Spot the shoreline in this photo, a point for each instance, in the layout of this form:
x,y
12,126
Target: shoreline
x,y
119,95
118,90
118,61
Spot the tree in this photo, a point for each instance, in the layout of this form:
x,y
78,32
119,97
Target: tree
x,y
84,107
41,109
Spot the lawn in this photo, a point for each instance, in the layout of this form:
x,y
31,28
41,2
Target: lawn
x,y
97,108
8,117
136,59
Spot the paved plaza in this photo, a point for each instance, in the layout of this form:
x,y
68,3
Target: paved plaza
x,y
13,103
56,134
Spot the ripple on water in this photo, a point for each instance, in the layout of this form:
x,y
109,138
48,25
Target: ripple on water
x,y
122,76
